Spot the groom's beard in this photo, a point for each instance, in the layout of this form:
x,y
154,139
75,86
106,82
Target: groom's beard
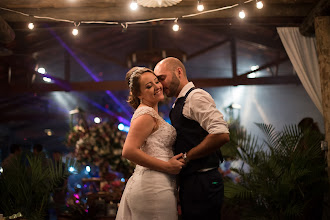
x,y
173,87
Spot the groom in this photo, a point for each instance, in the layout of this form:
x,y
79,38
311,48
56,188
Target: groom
x,y
201,131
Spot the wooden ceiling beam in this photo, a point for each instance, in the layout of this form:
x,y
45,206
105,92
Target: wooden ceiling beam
x,y
321,9
233,55
31,117
217,82
121,85
97,54
205,50
267,65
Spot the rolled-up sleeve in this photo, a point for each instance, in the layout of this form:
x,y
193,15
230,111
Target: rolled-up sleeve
x,y
201,107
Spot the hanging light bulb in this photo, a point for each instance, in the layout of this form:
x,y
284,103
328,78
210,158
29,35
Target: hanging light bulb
x,y
133,5
241,14
176,27
259,4
75,31
200,6
30,25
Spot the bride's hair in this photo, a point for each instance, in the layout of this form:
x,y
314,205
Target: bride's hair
x,y
133,80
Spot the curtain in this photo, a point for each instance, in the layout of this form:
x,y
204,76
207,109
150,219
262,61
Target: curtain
x,y
302,54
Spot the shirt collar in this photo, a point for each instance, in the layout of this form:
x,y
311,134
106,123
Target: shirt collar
x,y
185,89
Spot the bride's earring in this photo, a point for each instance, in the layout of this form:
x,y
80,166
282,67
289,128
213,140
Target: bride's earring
x,y
141,100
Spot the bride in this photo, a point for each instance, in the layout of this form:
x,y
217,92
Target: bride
x,y
150,192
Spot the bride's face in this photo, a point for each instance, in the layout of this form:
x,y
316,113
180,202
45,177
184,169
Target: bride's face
x,y
151,89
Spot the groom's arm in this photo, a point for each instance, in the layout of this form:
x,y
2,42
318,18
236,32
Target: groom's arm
x,y
201,108
211,143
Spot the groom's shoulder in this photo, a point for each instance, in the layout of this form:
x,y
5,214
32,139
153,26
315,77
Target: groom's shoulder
x,y
198,92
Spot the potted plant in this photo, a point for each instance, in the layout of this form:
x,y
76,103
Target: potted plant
x,y
27,183
284,178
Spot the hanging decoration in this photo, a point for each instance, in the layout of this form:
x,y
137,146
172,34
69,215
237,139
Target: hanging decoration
x,y
157,3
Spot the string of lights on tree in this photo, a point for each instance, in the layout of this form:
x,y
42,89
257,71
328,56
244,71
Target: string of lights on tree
x,y
134,6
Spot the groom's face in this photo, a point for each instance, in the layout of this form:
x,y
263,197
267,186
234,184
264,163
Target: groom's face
x,y
169,81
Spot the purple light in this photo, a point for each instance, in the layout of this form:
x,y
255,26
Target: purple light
x,y
118,103
76,196
121,119
88,71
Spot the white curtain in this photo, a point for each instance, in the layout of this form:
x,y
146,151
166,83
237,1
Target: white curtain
x,y
302,54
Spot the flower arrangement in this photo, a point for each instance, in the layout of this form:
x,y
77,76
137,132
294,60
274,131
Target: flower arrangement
x,y
100,144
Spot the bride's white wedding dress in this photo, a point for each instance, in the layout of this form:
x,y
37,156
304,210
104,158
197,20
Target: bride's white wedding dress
x,y
149,194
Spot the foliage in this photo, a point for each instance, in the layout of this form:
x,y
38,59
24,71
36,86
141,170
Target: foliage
x,y
286,176
27,182
99,144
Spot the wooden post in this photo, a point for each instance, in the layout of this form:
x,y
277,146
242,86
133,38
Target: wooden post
x,y
233,56
67,68
322,34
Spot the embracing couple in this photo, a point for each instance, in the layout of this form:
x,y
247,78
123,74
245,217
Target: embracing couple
x,y
183,156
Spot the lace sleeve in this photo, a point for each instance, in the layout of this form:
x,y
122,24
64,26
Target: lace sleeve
x,y
143,111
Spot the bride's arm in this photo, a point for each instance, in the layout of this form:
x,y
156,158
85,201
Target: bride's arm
x,y
140,129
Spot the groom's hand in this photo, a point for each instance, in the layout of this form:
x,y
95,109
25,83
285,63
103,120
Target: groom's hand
x,y
175,164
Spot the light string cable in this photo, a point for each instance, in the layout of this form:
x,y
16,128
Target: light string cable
x,y
129,22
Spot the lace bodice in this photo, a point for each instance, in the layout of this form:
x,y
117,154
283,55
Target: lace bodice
x,y
159,143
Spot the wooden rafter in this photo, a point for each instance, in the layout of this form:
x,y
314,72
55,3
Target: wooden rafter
x,y
97,54
233,55
207,49
267,65
121,85
321,9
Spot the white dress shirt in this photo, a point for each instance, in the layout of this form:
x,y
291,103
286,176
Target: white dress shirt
x,y
200,106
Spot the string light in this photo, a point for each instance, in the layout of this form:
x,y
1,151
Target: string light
x,y
176,27
30,25
75,30
133,5
200,6
241,14
124,27
132,22
259,4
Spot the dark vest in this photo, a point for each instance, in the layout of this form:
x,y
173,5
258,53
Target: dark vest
x,y
189,135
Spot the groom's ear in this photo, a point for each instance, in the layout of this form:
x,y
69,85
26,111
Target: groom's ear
x,y
180,72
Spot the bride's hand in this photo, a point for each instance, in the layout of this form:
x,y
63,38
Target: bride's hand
x,y
175,164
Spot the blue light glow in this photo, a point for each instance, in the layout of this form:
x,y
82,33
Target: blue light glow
x,y
71,169
122,127
88,169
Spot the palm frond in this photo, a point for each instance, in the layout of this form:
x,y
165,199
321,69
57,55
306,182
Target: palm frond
x,y
284,175
27,183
